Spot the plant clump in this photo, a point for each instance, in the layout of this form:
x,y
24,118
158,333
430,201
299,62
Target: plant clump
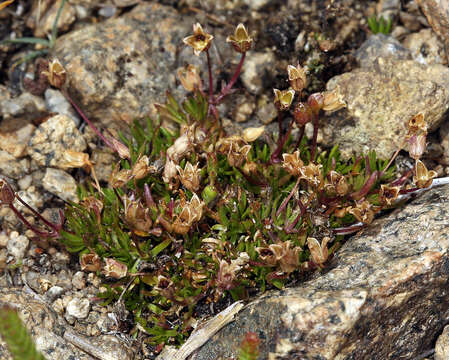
x,y
196,215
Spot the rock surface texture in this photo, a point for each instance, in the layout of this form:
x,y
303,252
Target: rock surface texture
x,y
381,97
119,68
384,296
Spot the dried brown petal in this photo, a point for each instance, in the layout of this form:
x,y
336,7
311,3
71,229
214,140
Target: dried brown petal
x,y
141,168
190,78
56,74
90,262
333,100
7,194
318,252
190,176
423,178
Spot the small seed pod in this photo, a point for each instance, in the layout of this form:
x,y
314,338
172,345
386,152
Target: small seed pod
x,y
302,114
7,194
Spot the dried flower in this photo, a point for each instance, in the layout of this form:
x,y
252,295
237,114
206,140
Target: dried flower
x,y
235,149
333,100
266,255
170,173
200,40
417,124
283,99
183,144
75,159
240,41
92,203
312,174
363,212
292,163
423,178
388,194
56,74
137,217
121,149
189,212
190,176
417,146
297,77
318,252
337,184
287,255
114,268
252,133
141,167
7,194
189,77
302,114
226,275
90,262
120,178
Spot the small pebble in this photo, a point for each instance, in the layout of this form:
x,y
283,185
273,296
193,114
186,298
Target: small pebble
x,y
78,308
78,280
17,245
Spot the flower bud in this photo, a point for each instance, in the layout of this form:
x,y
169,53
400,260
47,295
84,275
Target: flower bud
x,y
297,77
56,74
417,146
283,99
302,114
252,133
7,194
240,41
209,194
316,102
189,77
114,269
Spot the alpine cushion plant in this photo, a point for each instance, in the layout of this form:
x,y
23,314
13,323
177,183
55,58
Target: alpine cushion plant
x,y
194,216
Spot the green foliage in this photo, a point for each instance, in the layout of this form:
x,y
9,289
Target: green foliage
x,y
380,25
47,44
14,333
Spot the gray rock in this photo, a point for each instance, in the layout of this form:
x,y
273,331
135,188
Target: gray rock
x,y
425,47
442,345
380,100
53,337
256,67
54,292
121,67
383,296
17,245
57,103
52,138
444,136
60,183
78,308
25,105
383,46
437,13
11,167
78,280
32,197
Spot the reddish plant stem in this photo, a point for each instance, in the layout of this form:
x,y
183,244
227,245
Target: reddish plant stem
x,y
226,90
287,199
56,228
86,119
301,135
389,163
211,82
315,136
44,234
402,179
289,228
366,187
275,157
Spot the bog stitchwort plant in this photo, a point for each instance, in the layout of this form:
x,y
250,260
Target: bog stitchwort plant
x,y
196,215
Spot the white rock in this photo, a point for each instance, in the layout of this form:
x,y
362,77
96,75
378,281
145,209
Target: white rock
x,y
78,308
78,280
57,103
17,245
60,183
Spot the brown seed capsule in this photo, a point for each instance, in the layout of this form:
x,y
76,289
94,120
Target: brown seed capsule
x,y
7,194
423,178
90,262
316,102
302,114
318,252
240,41
292,163
417,146
141,167
56,74
189,77
190,176
297,77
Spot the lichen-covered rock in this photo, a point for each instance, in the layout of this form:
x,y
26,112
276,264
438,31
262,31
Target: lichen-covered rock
x,y
118,69
425,47
442,345
60,183
380,100
53,337
17,245
78,308
257,66
437,13
383,296
26,106
52,138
